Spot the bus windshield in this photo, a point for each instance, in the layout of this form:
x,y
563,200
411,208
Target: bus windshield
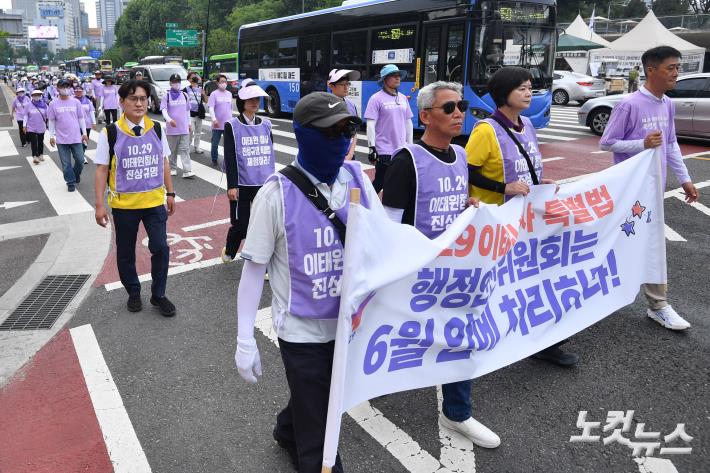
x,y
164,73
514,34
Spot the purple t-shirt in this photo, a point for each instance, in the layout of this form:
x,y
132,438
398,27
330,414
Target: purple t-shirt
x,y
110,95
638,115
66,115
221,100
391,114
88,108
35,117
179,110
19,107
98,88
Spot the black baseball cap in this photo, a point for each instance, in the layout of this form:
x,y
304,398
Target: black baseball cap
x,y
64,83
321,110
175,78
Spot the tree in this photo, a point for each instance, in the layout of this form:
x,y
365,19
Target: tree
x,y
670,7
635,9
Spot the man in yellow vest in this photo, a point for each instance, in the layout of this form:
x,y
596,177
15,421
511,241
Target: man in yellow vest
x,y
132,156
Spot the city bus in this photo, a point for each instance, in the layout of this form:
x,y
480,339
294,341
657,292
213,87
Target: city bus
x,y
105,65
222,63
82,66
454,40
161,60
192,65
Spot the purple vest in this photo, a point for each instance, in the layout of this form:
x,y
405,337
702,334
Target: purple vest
x,y
139,162
315,252
177,109
515,167
35,118
442,190
194,96
255,152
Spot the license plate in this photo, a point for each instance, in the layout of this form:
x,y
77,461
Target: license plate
x,y
599,93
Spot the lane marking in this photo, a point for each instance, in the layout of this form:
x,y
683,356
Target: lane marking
x,y
51,179
7,168
7,146
556,158
672,235
122,445
214,223
566,124
555,137
600,152
569,132
173,270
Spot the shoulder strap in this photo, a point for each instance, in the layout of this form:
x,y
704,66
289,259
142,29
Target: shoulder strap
x,y
314,195
158,130
531,168
111,134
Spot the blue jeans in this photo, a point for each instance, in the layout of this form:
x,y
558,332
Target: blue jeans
x,y
216,136
65,155
456,404
126,223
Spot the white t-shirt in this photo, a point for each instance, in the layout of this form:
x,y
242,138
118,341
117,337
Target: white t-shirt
x,y
266,244
102,157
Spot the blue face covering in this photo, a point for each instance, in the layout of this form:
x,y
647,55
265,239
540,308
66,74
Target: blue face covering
x,y
319,155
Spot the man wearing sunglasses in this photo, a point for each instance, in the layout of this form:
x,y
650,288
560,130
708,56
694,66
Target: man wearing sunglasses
x,y
389,122
422,174
288,233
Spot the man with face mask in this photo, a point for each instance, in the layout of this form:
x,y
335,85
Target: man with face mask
x,y
285,229
66,130
175,107
109,100
220,106
98,87
198,99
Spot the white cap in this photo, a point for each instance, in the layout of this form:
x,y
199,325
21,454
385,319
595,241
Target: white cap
x,y
250,90
36,91
337,74
20,89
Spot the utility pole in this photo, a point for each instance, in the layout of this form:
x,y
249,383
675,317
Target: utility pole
x,y
205,32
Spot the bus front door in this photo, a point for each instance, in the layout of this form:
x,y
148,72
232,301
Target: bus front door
x,y
313,62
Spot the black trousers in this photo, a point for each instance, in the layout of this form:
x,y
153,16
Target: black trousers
x,y
23,137
88,130
111,115
302,422
239,213
381,167
126,223
36,142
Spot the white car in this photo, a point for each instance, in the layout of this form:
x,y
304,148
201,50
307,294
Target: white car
x,y
569,85
691,97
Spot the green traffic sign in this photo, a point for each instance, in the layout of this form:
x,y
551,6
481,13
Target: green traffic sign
x,y
171,25
181,38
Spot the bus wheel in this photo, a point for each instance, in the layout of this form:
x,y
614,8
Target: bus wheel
x,y
273,106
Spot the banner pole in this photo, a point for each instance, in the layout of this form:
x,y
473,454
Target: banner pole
x,y
342,336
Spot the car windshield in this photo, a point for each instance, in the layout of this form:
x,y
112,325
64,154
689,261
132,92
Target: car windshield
x,y
164,73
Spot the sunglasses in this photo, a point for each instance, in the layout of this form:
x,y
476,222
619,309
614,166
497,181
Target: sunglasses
x,y
344,130
449,107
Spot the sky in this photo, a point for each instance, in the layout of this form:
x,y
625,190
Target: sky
x,y
89,5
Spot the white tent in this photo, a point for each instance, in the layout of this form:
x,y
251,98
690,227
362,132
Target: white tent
x,y
580,29
626,51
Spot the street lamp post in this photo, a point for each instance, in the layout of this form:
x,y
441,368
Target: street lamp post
x,y
205,71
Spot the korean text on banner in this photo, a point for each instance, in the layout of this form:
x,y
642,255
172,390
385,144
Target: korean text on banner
x,y
500,284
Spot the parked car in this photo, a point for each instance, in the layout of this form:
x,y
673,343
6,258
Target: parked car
x,y
158,76
232,83
121,75
691,97
568,85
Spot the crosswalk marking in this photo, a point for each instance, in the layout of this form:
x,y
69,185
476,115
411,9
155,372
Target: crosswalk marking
x,y
565,124
51,179
7,146
555,137
568,132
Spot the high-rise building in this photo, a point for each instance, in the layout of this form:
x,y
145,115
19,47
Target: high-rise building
x,y
107,12
84,25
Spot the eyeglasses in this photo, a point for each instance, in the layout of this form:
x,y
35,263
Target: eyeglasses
x,y
137,99
449,107
344,130
342,84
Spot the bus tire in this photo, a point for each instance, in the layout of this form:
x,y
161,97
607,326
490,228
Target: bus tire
x,y
273,106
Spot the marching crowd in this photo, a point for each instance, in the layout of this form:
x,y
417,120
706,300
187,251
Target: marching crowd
x,y
277,218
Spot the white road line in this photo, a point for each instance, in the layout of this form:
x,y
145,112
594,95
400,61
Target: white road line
x,y
456,450
672,235
7,168
556,158
200,226
568,124
122,445
678,193
288,134
402,447
568,132
51,179
555,137
7,146
171,271
600,152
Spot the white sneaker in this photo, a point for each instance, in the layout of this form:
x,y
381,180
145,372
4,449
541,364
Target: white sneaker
x,y
41,157
669,318
85,161
173,172
35,160
188,175
472,430
225,257
199,151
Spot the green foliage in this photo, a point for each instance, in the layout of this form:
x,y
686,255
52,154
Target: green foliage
x,y
635,9
670,7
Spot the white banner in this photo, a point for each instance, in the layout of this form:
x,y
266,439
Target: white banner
x,y
502,283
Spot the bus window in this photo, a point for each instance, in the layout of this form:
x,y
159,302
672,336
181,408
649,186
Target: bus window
x,y
348,50
394,45
454,53
287,52
314,52
268,52
431,54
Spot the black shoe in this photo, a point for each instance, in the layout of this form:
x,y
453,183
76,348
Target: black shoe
x,y
556,356
290,448
78,179
167,308
134,304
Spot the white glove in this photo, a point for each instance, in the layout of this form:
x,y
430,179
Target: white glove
x,y
248,360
